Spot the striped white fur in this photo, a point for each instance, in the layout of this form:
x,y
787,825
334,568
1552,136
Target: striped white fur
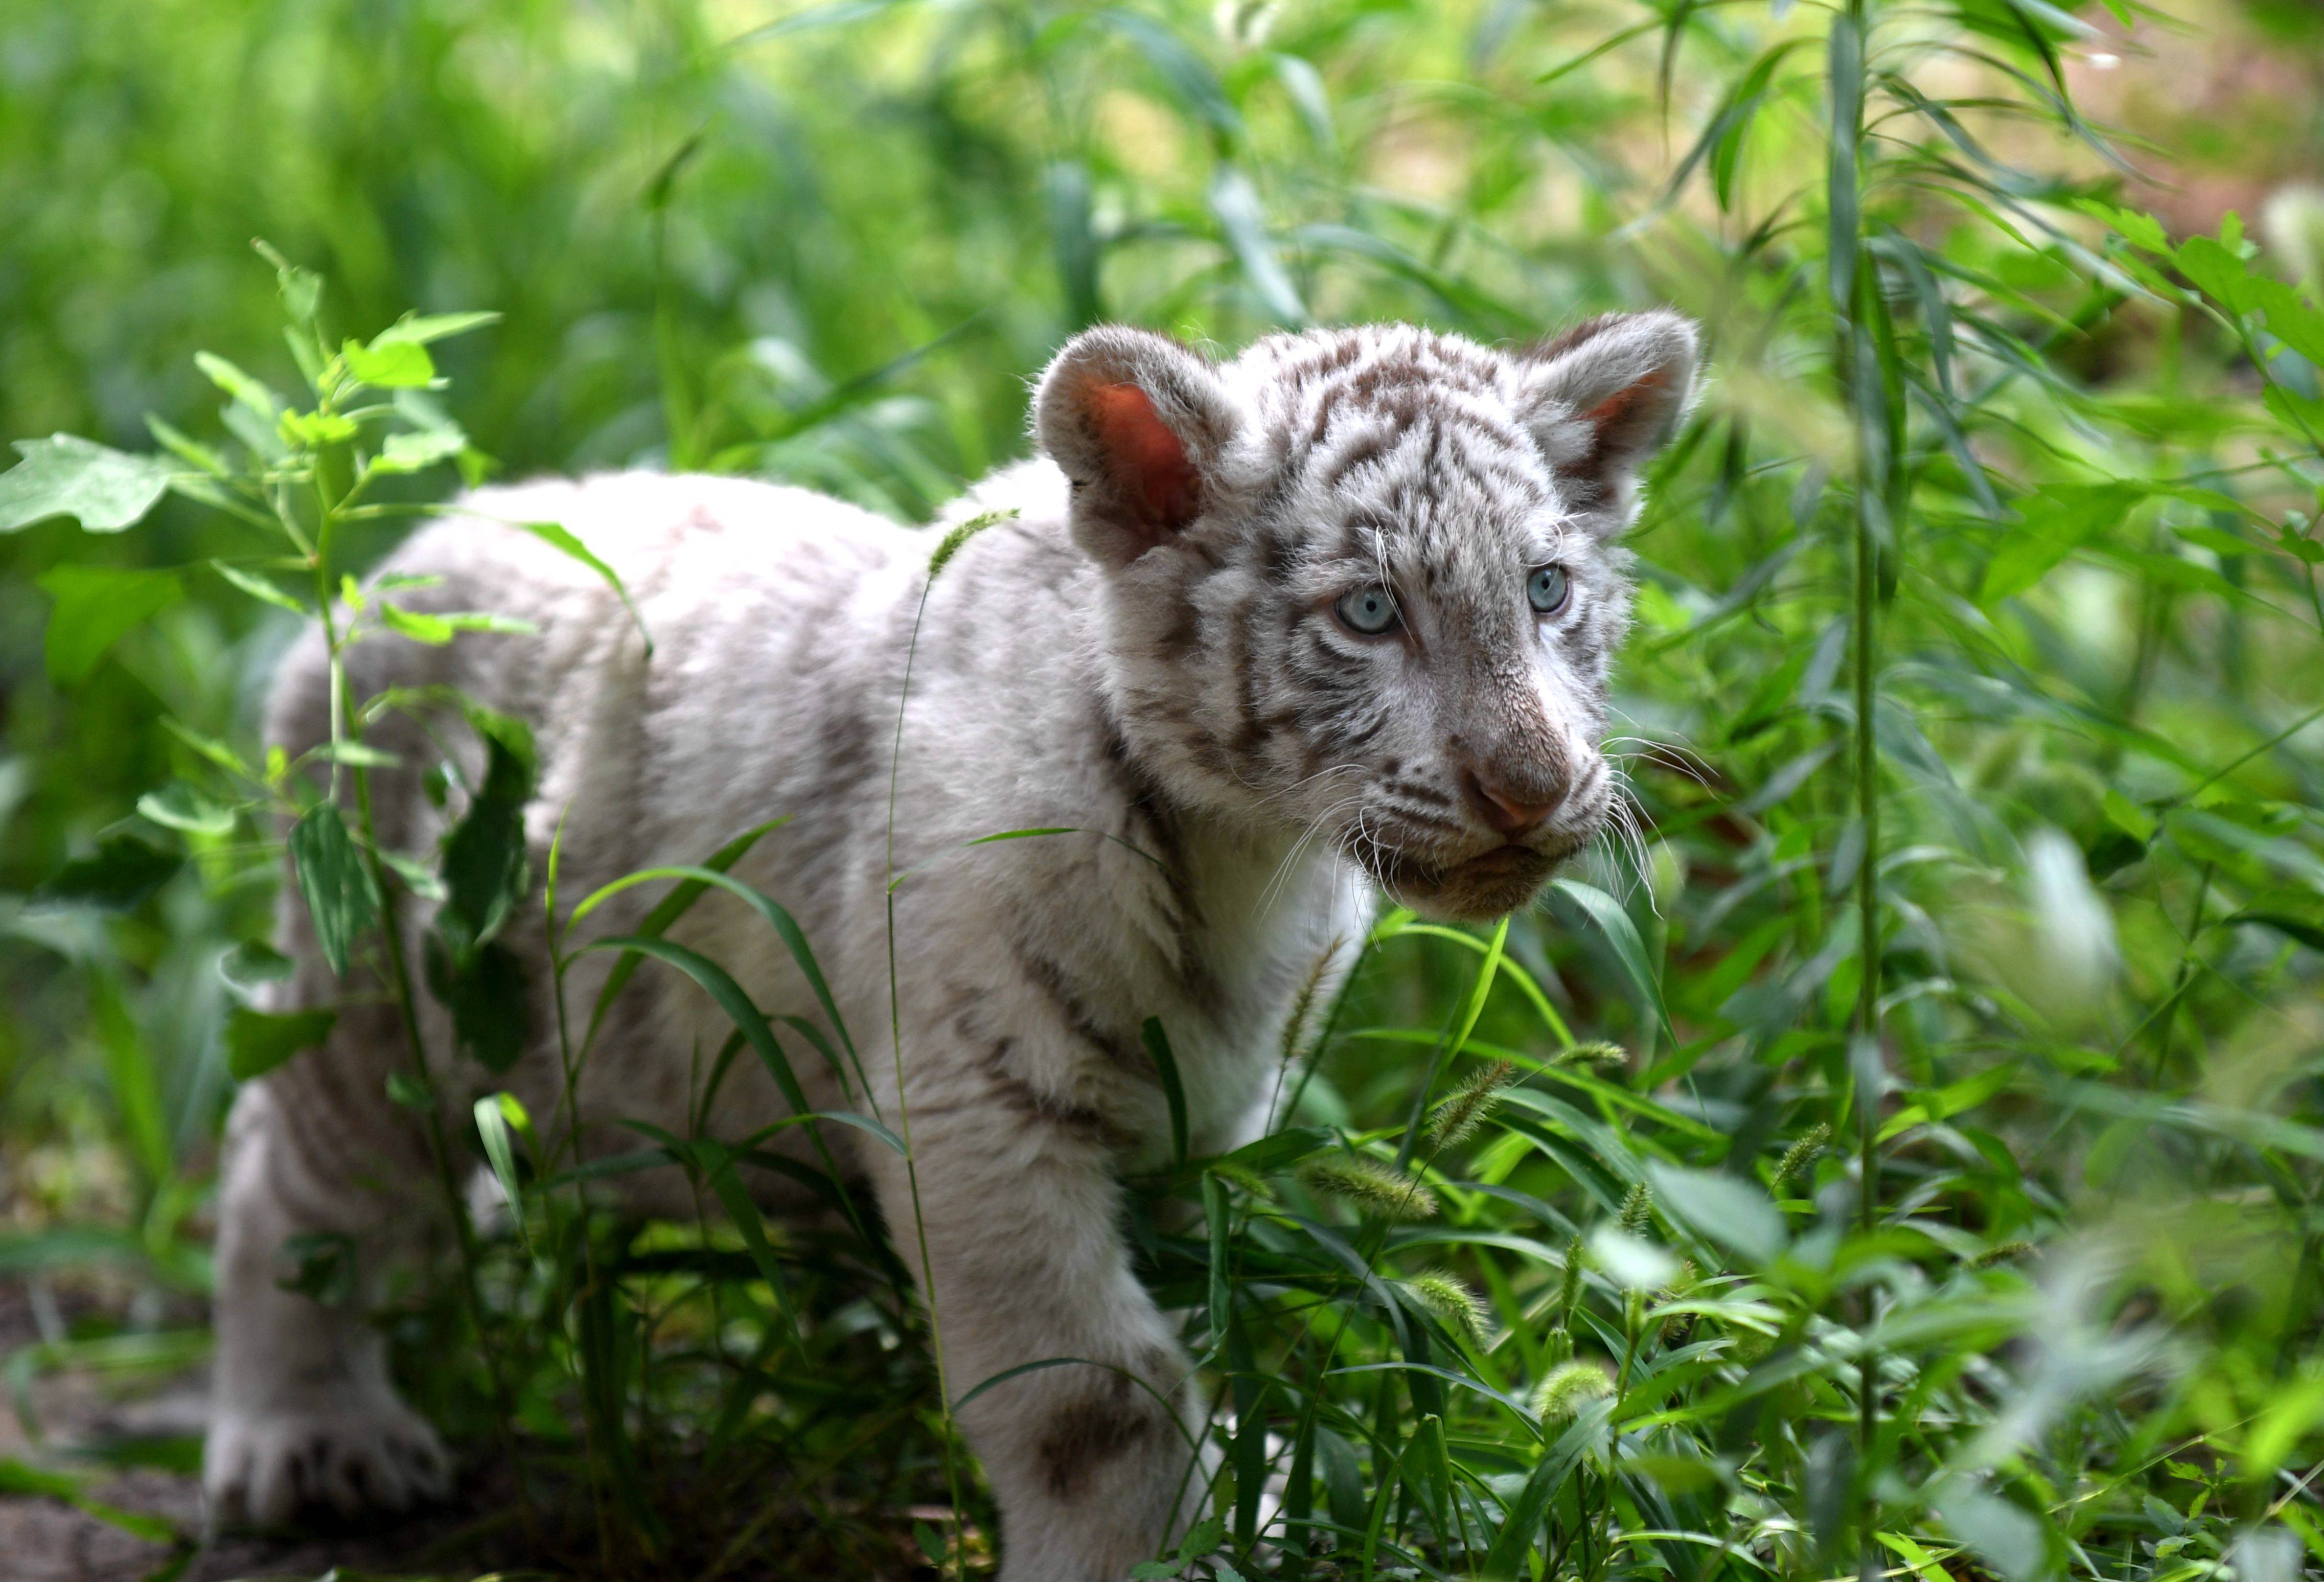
x,y
1153,652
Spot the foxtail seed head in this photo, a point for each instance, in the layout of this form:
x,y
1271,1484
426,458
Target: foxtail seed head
x,y
1449,1300
1639,1211
1803,1154
1371,1187
1566,1388
1459,1116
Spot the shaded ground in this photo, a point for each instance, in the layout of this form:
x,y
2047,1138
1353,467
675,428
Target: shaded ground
x,y
102,1485
132,1448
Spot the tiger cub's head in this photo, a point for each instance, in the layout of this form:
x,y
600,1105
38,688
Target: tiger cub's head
x,y
1368,581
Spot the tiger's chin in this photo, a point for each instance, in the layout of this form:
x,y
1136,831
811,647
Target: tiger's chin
x,y
1476,889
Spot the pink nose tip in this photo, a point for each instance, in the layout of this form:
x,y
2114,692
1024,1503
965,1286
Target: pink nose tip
x,y
1506,811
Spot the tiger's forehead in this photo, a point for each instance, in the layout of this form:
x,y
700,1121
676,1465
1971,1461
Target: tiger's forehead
x,y
1404,442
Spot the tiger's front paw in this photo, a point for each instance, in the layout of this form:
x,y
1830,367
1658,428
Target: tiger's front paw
x,y
351,1451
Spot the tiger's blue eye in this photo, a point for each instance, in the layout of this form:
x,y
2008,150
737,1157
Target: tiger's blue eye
x,y
1548,588
1367,610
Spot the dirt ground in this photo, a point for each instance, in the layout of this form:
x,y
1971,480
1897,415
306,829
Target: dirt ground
x,y
135,1446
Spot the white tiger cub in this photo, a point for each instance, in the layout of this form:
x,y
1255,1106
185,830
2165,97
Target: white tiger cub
x,y
1268,634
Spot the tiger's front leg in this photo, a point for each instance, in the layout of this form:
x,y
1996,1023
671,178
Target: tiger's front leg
x,y
1095,1462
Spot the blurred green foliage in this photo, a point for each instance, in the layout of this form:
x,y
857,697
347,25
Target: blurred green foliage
x,y
1984,573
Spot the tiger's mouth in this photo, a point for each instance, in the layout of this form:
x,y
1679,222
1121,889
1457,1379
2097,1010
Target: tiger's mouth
x,y
1475,889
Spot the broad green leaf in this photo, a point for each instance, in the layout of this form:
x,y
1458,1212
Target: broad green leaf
x,y
484,866
258,1041
484,990
332,878
2222,275
409,452
2056,522
104,489
119,874
389,364
2139,230
1729,1211
96,606
313,430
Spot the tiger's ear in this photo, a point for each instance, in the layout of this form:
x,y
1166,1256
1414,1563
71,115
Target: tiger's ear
x,y
1603,398
1138,422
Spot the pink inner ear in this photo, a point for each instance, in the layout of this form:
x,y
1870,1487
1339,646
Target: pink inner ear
x,y
1147,462
1608,416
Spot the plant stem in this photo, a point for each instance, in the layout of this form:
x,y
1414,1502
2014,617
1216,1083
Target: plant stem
x,y
903,1104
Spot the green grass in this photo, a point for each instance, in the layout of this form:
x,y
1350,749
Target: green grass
x,y
1946,1203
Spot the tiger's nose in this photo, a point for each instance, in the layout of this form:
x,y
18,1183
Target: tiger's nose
x,y
1509,810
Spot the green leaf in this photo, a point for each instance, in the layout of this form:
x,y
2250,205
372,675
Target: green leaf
x,y
104,489
1190,82
253,963
2222,275
2139,230
1622,934
252,396
256,1042
134,1086
420,329
436,630
408,1092
332,878
389,364
120,873
1241,215
259,588
666,911
931,1543
2307,933
728,994
2056,522
498,1115
2008,1536
1173,1092
313,430
1201,1538
2131,817
96,606
1844,74
1728,1209
484,866
180,806
484,991
556,537
1527,1511
408,452
1219,1221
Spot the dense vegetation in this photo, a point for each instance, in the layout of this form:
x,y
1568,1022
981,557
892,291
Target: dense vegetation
x,y
1900,1152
